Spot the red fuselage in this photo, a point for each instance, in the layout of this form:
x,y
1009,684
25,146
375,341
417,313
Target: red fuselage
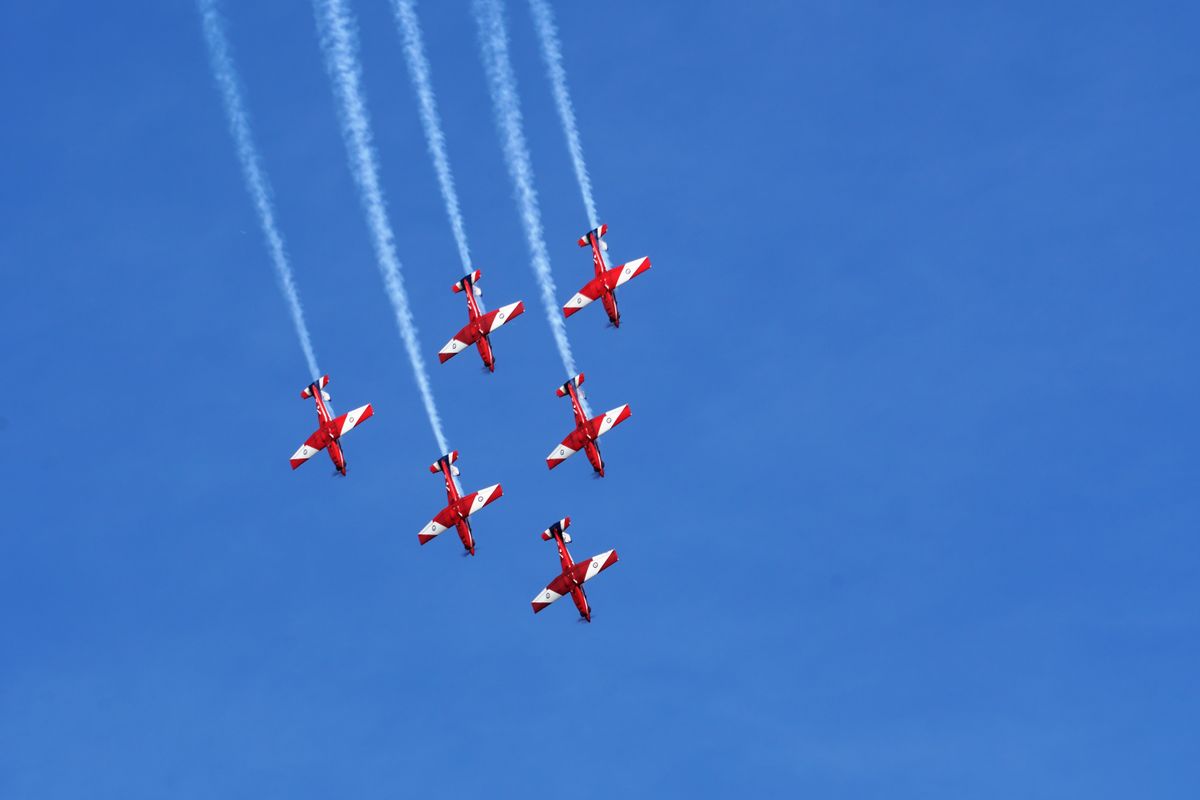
x,y
483,344
325,423
462,525
568,564
608,282
589,442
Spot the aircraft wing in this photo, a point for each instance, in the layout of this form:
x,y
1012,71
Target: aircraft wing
x,y
461,341
569,447
494,319
592,290
628,271
313,445
351,419
586,570
469,504
598,426
557,588
466,505
445,520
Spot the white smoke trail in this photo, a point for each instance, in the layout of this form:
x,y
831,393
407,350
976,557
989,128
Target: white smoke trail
x,y
418,69
543,19
502,83
339,41
256,180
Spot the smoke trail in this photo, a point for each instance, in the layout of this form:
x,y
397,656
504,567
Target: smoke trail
x,y
256,181
543,19
502,83
339,41
418,69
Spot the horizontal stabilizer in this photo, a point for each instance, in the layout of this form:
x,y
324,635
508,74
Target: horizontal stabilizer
x,y
557,527
598,232
467,280
449,458
562,391
320,383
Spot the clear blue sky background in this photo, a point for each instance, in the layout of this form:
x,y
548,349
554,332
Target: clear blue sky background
x,y
907,506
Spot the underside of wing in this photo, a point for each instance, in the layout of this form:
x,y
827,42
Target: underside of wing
x,y
346,422
494,319
569,447
628,271
589,293
313,445
598,426
557,588
469,504
461,341
586,570
445,519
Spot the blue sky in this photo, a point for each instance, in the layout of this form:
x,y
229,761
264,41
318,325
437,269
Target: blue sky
x,y
907,506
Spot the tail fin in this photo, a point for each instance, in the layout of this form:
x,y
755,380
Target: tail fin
x,y
467,280
558,528
583,240
449,458
562,390
320,383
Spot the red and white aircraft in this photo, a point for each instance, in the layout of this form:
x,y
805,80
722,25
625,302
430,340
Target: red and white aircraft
x,y
587,431
604,285
481,325
571,579
330,429
458,507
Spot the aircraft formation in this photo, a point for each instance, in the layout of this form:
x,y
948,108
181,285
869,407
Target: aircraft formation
x,y
461,507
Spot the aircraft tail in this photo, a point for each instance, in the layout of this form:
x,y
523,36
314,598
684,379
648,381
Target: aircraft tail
x,y
603,229
562,390
320,383
558,527
468,280
449,458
